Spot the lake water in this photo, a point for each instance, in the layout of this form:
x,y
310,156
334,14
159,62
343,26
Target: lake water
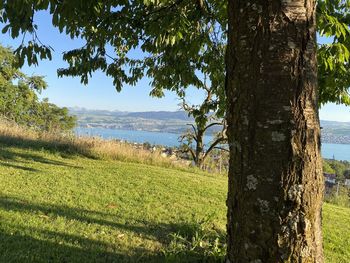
x,y
157,138
329,150
336,151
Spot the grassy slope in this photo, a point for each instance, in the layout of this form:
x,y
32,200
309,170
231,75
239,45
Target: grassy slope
x,y
56,208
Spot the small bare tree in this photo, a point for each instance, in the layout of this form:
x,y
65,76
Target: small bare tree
x,y
204,118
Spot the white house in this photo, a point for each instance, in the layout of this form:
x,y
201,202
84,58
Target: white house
x,y
347,182
329,178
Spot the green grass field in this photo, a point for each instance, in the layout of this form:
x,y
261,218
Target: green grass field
x,y
57,207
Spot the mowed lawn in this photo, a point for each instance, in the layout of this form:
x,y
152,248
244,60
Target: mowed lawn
x,y
62,208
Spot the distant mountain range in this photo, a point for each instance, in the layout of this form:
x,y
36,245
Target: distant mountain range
x,y
161,115
161,121
335,132
158,115
176,122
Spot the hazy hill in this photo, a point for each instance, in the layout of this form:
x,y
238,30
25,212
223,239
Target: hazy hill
x,y
163,121
155,115
335,132
161,115
176,122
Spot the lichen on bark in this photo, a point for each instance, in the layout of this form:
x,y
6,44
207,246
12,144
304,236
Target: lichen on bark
x,y
275,179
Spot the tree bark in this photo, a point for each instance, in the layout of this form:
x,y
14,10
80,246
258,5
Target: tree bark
x,y
275,178
199,148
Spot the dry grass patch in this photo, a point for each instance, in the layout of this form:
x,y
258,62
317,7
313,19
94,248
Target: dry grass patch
x,y
92,147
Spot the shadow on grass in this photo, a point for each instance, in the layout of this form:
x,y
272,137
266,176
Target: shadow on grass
x,y
29,169
158,232
176,239
23,248
65,149
7,155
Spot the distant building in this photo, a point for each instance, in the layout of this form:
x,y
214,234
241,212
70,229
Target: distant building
x,y
347,183
329,182
329,178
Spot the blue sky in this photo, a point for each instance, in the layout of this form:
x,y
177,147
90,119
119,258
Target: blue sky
x,y
100,93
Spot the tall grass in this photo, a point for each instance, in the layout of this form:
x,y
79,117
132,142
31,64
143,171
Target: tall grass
x,y
340,197
92,147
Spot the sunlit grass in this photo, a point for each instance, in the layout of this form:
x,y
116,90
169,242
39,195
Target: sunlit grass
x,y
57,206
336,233
74,209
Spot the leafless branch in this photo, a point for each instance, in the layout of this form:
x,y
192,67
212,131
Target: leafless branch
x,y
212,124
222,149
192,153
195,137
212,146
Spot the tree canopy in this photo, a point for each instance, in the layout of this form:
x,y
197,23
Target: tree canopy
x,y
333,58
19,99
181,41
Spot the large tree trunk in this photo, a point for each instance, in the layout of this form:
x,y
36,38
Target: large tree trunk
x,y
275,178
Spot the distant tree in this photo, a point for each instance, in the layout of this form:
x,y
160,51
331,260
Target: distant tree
x,y
347,173
340,167
205,117
53,118
327,167
19,98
